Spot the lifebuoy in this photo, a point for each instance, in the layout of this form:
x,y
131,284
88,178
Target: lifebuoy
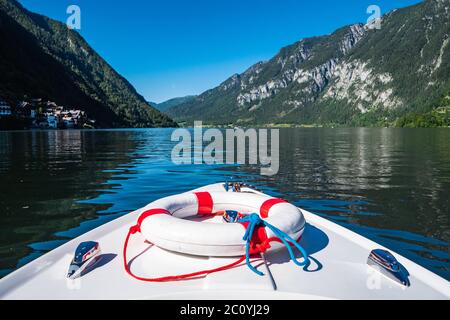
x,y
163,223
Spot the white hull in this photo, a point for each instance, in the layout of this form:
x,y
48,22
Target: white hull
x,y
339,270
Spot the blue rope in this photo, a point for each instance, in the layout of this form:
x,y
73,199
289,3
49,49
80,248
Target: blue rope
x,y
255,220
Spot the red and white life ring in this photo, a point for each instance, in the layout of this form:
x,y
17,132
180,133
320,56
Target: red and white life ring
x,y
163,223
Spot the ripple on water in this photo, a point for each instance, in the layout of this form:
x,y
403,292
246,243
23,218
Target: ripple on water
x,y
389,185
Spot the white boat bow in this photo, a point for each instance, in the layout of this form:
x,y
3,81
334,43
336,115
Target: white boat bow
x,y
338,270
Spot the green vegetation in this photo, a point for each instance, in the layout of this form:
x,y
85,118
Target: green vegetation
x,y
412,46
164,106
40,57
395,72
436,118
433,119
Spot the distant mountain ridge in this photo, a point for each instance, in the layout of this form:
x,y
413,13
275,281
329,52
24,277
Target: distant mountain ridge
x,y
41,57
164,106
357,75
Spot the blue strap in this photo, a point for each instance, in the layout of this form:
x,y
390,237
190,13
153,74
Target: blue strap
x,y
254,221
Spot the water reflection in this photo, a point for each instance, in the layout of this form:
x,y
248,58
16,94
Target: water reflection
x,y
44,175
57,185
373,181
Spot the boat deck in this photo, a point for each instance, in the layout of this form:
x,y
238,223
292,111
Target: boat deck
x,y
338,270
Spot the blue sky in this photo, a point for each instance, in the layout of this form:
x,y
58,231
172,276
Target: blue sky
x,y
170,48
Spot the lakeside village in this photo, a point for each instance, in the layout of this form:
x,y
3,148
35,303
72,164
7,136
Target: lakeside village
x,y
40,114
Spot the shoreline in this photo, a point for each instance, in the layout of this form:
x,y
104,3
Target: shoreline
x,y
212,127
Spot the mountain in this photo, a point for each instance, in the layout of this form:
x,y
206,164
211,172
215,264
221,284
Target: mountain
x,y
40,57
164,106
358,75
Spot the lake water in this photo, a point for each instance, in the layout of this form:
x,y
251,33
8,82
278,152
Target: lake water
x,y
390,185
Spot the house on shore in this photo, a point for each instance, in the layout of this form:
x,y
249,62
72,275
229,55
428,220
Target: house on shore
x,y
5,109
52,122
26,110
42,114
68,121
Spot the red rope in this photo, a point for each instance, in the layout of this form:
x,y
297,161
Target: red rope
x,y
188,276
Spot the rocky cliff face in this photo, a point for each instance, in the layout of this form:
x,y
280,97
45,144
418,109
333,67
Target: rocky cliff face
x,y
403,67
360,85
314,78
340,77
